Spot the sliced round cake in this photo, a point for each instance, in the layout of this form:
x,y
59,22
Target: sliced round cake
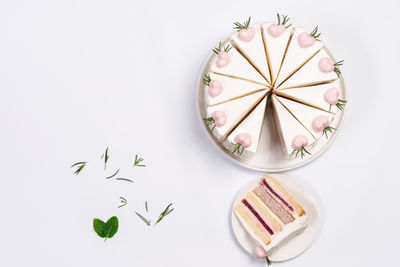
x,y
273,67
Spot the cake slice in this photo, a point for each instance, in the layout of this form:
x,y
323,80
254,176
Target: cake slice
x,y
318,70
246,135
270,214
253,50
310,117
290,130
229,62
224,117
298,53
220,88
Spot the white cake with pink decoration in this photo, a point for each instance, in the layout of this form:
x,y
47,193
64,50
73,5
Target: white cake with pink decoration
x,y
272,67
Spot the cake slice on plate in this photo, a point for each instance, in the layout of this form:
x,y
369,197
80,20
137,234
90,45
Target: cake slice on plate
x,y
223,118
246,135
270,214
295,138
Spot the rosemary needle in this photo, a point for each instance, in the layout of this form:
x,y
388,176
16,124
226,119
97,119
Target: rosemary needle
x,y
124,179
143,218
112,175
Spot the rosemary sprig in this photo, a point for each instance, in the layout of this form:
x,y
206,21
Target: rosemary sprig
x,y
285,19
167,211
302,151
237,148
327,129
143,218
218,49
315,33
106,157
239,26
210,122
336,67
123,202
146,206
341,103
268,261
207,79
138,161
124,179
111,176
80,165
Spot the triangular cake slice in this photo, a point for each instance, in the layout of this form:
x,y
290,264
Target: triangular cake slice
x,y
222,88
288,126
275,47
315,95
237,67
309,117
227,115
254,51
311,72
249,128
296,56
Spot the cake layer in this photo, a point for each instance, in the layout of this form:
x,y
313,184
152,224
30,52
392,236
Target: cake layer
x,y
234,111
288,126
264,212
229,88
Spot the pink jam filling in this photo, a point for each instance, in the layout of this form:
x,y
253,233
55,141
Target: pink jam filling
x,y
247,204
277,195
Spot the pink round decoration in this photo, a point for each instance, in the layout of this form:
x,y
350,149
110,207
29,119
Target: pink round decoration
x,y
319,123
215,88
299,142
246,34
260,252
244,139
325,65
222,59
306,40
332,96
276,30
219,118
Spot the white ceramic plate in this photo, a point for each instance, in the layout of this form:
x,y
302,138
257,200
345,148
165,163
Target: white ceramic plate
x,y
271,159
306,197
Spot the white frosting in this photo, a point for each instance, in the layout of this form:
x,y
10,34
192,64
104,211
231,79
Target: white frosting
x,y
310,72
231,88
251,125
305,114
234,111
276,47
314,94
255,50
238,66
296,55
289,126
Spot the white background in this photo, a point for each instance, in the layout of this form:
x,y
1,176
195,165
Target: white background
x,y
78,76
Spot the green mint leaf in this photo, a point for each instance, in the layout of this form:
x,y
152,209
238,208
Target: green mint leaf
x,y
99,226
106,229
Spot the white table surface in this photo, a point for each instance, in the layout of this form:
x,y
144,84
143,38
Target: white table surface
x,y
78,76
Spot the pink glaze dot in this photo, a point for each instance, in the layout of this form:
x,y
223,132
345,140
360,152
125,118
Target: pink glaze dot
x,y
219,118
306,40
246,34
332,96
215,88
260,252
319,123
299,142
244,139
325,65
223,59
276,30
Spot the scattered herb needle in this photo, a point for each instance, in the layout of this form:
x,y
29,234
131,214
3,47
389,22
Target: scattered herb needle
x,y
268,261
124,179
80,165
123,202
165,213
143,218
106,157
106,229
138,161
146,206
111,176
